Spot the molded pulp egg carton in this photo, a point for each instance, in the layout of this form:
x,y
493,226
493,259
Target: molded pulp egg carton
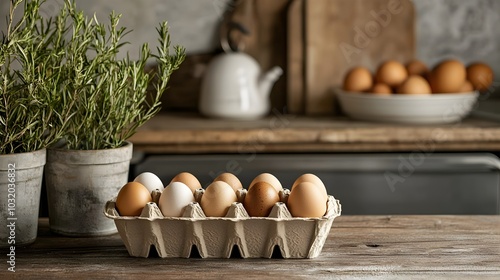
x,y
215,237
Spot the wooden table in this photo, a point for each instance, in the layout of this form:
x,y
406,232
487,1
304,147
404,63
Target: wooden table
x,y
188,133
371,247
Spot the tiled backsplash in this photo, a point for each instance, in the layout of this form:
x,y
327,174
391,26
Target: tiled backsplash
x,y
466,29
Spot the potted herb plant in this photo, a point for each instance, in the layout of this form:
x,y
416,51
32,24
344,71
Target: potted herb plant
x,y
111,100
30,117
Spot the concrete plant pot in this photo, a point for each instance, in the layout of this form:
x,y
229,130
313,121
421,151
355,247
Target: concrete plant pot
x,y
20,187
79,182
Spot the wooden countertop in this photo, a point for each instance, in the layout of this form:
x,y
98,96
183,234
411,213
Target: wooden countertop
x,y
191,133
372,247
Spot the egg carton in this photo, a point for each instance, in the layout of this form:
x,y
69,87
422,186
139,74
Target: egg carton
x,y
215,237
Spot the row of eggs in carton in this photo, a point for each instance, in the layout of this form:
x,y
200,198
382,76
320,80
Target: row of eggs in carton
x,y
183,216
307,198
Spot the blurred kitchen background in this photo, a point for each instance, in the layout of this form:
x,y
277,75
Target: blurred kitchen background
x,y
468,29
463,29
463,182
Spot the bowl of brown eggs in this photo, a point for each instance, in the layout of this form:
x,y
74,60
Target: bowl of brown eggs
x,y
413,93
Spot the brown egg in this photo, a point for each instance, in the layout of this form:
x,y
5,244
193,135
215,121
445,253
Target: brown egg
x,y
217,199
358,79
268,178
311,178
188,179
415,85
448,77
391,73
381,89
467,87
231,180
260,199
480,75
306,200
132,198
416,67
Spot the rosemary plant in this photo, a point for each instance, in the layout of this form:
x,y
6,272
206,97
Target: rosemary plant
x,y
61,77
30,118
110,95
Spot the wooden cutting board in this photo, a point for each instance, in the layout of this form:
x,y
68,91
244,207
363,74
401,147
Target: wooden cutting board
x,y
295,58
338,35
267,40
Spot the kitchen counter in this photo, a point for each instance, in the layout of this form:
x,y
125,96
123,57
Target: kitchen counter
x,y
187,133
372,247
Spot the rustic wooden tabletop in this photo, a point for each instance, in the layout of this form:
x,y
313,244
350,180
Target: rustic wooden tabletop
x,y
371,247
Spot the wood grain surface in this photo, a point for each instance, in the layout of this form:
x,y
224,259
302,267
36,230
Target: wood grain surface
x,y
358,247
190,133
342,34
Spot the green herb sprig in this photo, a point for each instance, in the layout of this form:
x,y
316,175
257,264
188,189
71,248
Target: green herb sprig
x,y
61,78
30,103
111,95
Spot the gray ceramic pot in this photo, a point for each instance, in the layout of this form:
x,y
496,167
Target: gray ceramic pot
x,y
20,187
79,182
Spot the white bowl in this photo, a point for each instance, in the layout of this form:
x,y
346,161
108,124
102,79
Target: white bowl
x,y
405,108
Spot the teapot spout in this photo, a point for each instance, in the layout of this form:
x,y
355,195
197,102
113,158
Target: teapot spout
x,y
267,80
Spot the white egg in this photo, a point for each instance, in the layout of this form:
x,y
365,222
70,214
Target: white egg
x,y
174,198
150,181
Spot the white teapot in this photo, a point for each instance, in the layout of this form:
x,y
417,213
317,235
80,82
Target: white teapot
x,y
234,87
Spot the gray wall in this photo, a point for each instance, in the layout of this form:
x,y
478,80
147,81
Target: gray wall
x,y
193,23
466,29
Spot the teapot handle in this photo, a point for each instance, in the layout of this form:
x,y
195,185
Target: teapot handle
x,y
227,43
238,23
